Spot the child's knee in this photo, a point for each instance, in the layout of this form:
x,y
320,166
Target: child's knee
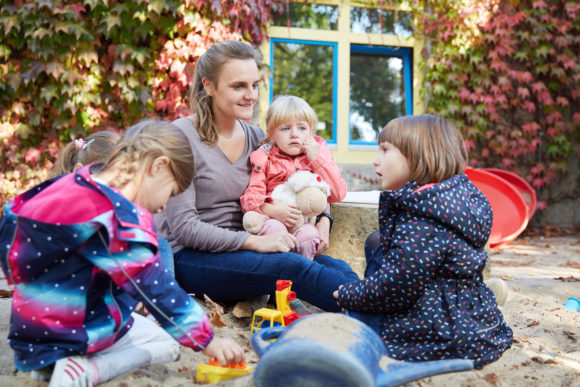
x,y
372,243
271,226
308,240
306,233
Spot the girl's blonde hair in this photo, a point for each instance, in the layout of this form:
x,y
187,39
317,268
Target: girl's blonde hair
x,y
288,108
433,146
209,66
95,147
142,143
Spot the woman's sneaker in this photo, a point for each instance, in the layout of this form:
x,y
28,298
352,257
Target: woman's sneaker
x,y
74,371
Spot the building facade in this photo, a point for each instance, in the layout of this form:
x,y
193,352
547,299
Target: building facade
x,y
355,62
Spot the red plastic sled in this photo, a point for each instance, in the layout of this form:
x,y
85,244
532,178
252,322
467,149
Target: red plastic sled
x,y
510,213
525,189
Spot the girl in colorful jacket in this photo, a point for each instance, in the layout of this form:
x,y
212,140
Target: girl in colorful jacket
x,y
290,146
81,251
423,290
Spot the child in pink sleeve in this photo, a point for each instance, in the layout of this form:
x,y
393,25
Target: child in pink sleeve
x,y
290,146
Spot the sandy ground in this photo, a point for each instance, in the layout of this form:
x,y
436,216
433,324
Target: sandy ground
x,y
541,270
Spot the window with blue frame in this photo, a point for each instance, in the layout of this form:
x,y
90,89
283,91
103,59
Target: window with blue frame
x,y
380,90
307,69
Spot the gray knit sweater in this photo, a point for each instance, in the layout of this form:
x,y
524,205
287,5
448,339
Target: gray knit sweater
x,y
208,215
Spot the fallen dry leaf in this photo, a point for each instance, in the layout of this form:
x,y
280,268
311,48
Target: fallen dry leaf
x,y
533,324
216,312
570,332
539,360
568,279
213,306
521,339
491,378
574,265
217,320
242,309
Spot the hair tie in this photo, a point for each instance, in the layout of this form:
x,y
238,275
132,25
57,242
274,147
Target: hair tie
x,y
88,143
79,144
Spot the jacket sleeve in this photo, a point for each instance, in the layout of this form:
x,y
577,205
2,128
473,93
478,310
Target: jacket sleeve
x,y
255,194
137,269
325,166
408,265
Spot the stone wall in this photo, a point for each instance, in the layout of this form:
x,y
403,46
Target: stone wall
x,y
353,222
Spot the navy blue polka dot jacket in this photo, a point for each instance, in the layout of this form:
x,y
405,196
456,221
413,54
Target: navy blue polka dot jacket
x,y
428,286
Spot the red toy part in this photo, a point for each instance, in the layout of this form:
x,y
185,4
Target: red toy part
x,y
283,284
510,214
524,188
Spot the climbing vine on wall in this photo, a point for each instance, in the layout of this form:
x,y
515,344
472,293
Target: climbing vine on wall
x,y
68,68
507,73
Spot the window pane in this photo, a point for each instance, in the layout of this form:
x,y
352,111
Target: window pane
x,y
302,15
307,71
380,21
377,94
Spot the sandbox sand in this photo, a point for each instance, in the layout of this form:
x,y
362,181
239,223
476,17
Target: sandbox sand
x,y
541,272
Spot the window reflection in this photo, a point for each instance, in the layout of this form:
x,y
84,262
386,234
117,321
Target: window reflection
x,y
307,71
377,93
380,21
303,15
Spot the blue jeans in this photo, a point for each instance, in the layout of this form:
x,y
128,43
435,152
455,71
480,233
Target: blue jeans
x,y
373,253
243,274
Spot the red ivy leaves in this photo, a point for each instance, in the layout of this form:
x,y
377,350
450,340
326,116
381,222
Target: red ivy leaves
x,y
528,83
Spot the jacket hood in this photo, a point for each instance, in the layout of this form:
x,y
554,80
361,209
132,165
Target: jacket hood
x,y
455,203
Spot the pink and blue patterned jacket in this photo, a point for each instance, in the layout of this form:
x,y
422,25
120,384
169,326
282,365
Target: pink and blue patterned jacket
x,y
81,256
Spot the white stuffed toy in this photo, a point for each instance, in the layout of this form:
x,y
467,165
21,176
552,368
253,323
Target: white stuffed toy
x,y
304,189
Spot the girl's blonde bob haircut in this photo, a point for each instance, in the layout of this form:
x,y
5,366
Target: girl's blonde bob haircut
x,y
433,146
287,108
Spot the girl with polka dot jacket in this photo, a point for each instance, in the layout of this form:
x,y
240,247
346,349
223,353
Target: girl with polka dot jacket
x,y
423,290
81,251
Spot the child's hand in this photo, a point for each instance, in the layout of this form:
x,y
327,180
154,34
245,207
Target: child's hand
x,y
277,242
285,213
311,148
335,294
226,351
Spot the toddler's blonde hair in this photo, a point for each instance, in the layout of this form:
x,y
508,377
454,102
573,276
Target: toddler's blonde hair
x,y
433,146
288,108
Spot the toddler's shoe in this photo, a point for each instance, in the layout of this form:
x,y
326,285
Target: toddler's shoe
x,y
499,289
74,371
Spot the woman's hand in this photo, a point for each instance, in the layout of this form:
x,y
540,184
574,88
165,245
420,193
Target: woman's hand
x,y
226,351
311,148
288,214
278,242
323,227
